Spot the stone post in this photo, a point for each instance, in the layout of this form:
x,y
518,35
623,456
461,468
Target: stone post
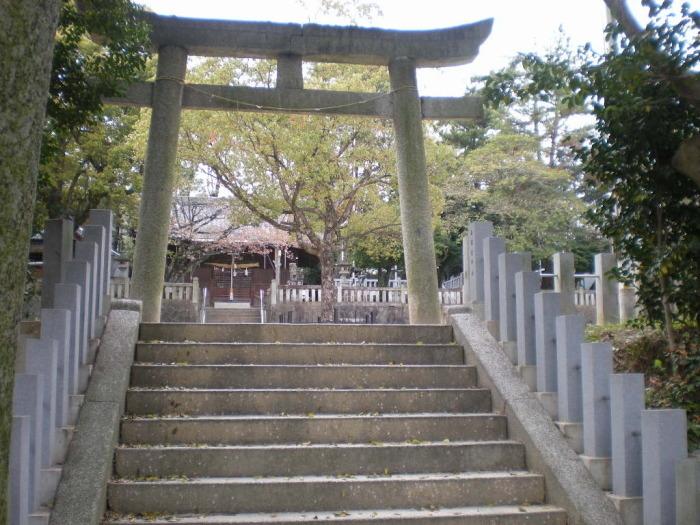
x,y
508,265
527,284
68,298
564,280
195,290
27,401
96,234
596,367
606,290
19,471
547,308
414,195
664,445
290,72
57,249
569,335
626,405
55,325
41,359
628,302
688,491
478,231
86,252
78,273
466,261
105,218
158,182
492,248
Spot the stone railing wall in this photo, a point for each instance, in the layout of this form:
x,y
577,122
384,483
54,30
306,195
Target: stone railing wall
x,y
120,289
355,295
639,454
54,361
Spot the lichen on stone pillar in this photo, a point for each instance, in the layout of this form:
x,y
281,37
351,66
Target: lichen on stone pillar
x,y
158,182
414,194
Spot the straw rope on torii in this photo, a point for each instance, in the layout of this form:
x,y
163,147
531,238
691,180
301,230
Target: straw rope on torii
x,y
290,44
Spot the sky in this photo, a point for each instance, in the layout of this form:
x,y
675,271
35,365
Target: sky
x,y
519,25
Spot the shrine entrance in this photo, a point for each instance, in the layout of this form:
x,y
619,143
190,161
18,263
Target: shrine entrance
x,y
290,44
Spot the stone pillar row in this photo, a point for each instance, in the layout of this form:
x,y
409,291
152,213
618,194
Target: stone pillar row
x,y
639,454
54,361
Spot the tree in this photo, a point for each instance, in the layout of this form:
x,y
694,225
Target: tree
x,y
306,175
647,208
666,60
531,205
26,37
86,161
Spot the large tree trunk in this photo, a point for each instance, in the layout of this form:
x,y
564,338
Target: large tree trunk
x,y
327,283
27,29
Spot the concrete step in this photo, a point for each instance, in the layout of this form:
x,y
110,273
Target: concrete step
x,y
308,459
492,515
298,353
296,333
332,428
324,493
302,376
305,401
232,315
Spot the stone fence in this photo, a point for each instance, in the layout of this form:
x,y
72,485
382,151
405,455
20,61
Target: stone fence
x,y
639,454
120,289
354,294
54,361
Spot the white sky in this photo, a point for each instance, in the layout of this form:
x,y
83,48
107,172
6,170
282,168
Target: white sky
x,y
519,25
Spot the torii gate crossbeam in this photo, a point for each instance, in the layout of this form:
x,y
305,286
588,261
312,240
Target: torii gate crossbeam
x,y
290,44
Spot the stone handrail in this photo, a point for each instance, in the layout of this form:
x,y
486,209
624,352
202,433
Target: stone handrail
x,y
639,454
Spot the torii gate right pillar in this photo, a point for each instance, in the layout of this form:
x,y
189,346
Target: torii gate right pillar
x,y
414,195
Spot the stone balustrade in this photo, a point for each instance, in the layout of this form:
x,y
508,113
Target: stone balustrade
x,y
638,454
54,362
190,292
355,295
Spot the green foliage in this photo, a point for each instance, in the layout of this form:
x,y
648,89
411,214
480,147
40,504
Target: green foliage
x,y
87,158
649,210
100,168
531,205
87,69
541,100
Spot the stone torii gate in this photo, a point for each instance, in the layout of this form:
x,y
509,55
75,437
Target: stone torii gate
x,y
290,44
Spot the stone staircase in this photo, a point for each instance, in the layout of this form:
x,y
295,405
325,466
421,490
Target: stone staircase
x,y
294,424
232,315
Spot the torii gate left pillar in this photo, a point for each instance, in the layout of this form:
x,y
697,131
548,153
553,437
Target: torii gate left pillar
x,y
159,182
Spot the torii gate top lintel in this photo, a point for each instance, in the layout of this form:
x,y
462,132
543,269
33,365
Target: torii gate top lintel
x,y
320,43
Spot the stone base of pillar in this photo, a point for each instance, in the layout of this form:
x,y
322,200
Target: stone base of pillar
x,y
40,517
511,350
76,401
60,450
573,434
493,328
84,377
688,490
600,469
550,402
48,483
528,373
93,345
478,310
631,509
